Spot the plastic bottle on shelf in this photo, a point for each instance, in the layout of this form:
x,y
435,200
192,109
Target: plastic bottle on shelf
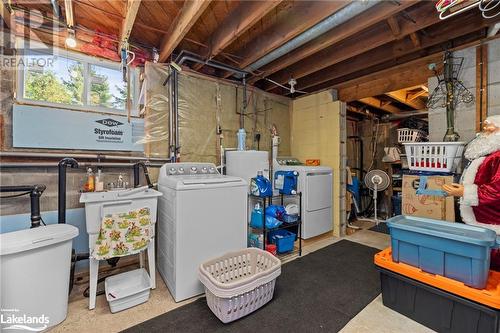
x,y
99,184
90,183
261,186
257,216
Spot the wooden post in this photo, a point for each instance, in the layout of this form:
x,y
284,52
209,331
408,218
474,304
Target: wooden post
x,y
481,85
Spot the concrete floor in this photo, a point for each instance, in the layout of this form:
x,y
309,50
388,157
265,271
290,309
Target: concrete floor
x,y
373,318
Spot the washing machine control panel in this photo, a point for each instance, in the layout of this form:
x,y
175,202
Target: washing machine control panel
x,y
288,161
181,169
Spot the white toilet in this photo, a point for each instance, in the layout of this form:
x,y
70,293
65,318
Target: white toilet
x,y
34,276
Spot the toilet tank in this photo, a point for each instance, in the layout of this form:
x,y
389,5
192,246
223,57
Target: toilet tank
x,y
35,268
246,163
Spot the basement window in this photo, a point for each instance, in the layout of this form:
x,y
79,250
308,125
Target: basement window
x,y
65,79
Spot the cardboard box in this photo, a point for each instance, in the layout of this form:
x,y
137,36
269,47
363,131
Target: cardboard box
x,y
433,207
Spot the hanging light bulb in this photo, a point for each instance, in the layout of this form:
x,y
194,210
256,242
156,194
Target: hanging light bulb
x,y
292,82
70,39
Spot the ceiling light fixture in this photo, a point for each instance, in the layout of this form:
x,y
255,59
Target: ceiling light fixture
x,y
71,39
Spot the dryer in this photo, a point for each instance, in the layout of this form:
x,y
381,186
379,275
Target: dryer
x,y
201,215
316,185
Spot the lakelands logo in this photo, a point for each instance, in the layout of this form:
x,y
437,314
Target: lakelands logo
x,y
11,319
109,122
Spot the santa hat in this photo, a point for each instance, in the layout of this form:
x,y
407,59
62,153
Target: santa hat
x,y
495,120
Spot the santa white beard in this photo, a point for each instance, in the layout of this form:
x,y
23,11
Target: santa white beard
x,y
484,144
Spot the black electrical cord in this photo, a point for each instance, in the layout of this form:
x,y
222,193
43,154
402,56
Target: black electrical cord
x,y
86,292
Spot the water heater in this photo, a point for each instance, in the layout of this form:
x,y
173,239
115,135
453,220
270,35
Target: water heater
x,y
246,163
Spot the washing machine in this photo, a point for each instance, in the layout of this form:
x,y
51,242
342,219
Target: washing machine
x,y
201,215
316,185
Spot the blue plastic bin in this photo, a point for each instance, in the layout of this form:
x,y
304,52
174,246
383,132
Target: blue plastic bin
x,y
455,250
283,239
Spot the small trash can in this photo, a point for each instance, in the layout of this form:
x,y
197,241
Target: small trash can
x,y
238,283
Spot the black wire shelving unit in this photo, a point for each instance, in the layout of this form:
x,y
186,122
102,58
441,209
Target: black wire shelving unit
x,y
296,227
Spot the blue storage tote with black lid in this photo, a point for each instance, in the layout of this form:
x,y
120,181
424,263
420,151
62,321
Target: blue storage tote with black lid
x,y
455,250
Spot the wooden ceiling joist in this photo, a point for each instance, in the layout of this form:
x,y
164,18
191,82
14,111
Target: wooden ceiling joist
x,y
414,95
379,104
187,17
402,97
299,17
372,16
128,21
371,38
5,14
378,79
386,81
236,23
394,25
415,39
444,32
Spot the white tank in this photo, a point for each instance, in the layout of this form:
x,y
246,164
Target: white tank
x,y
35,267
246,163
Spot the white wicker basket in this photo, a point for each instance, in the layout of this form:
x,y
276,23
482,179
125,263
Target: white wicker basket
x,y
410,135
434,156
240,282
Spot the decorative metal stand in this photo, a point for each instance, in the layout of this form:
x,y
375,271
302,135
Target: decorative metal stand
x,y
449,92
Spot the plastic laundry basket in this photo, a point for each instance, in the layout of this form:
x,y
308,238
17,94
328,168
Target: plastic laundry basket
x,y
434,156
238,283
410,135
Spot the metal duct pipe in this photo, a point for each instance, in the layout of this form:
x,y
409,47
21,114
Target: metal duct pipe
x,y
186,55
81,156
343,15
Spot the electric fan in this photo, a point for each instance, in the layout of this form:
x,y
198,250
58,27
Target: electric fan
x,y
377,180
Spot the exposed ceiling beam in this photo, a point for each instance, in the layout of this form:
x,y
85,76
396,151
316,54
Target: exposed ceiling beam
x,y
390,81
242,18
292,20
442,33
402,97
394,25
128,21
415,39
364,41
186,18
365,77
377,103
5,14
414,95
370,17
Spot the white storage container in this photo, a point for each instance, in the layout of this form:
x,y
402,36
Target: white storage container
x,y
34,275
238,283
434,156
410,135
127,289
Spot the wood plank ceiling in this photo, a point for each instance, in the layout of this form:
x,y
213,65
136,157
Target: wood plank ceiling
x,y
390,43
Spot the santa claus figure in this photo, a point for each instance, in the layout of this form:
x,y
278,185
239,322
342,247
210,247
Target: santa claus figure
x,y
480,188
